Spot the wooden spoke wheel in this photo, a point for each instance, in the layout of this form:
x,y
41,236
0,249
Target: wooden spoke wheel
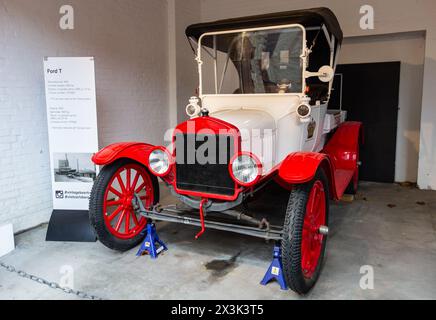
x,y
111,211
303,244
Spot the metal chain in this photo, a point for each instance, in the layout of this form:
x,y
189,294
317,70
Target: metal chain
x,y
52,285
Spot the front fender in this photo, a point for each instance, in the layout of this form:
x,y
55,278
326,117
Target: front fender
x,y
301,167
131,150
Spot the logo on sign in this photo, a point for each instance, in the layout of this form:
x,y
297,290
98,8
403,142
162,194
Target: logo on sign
x,y
59,194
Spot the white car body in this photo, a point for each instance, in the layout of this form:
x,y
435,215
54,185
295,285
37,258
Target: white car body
x,y
269,124
272,123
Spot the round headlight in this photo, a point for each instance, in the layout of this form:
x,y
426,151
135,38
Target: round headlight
x,y
159,162
245,169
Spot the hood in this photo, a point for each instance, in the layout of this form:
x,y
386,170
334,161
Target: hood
x,y
245,119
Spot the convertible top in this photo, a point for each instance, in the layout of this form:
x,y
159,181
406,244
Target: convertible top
x,y
308,18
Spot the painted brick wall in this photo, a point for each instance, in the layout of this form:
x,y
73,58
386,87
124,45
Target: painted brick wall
x,y
129,41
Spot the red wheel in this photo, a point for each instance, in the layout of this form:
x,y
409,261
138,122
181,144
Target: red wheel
x,y
303,243
311,244
120,218
116,223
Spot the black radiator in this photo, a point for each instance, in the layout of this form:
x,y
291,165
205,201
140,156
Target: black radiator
x,y
202,163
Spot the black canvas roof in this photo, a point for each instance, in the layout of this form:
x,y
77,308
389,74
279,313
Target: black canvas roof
x,y
308,18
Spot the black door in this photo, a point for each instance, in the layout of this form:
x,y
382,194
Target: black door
x,y
370,94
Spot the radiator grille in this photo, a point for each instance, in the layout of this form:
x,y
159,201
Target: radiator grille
x,y
202,163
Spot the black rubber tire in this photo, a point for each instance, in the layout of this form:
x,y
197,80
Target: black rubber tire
x,y
292,236
96,214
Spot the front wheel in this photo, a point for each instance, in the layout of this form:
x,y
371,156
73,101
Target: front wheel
x,y
111,212
304,242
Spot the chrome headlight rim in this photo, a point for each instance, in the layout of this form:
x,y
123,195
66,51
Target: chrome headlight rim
x,y
159,156
254,163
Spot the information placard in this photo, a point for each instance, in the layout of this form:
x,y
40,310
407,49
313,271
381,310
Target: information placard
x,y
72,130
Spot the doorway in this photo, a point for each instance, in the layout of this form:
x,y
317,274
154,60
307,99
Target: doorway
x,y
369,92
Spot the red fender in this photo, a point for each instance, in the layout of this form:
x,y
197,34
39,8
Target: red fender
x,y
338,159
343,151
131,150
301,167
343,147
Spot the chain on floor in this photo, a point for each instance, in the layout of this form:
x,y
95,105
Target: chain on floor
x,y
52,285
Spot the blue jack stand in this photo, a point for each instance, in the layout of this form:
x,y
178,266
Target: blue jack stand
x,y
275,271
152,244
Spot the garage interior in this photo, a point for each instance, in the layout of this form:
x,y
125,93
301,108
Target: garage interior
x,y
145,74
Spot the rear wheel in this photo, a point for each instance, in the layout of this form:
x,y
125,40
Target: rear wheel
x,y
303,245
111,212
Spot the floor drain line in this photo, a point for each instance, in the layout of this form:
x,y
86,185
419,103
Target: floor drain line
x,y
52,285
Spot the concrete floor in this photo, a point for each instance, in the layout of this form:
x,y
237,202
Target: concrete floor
x,y
389,227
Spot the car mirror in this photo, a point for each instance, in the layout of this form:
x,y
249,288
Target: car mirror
x,y
326,74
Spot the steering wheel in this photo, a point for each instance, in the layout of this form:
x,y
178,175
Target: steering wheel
x,y
284,86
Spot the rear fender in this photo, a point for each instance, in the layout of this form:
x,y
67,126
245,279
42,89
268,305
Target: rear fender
x,y
301,167
343,152
131,150
343,147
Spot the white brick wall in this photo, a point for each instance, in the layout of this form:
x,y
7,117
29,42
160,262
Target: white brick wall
x,y
128,40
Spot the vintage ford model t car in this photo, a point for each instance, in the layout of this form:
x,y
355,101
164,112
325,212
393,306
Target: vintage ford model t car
x,y
261,116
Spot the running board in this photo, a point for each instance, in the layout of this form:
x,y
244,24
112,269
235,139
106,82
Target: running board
x,y
172,216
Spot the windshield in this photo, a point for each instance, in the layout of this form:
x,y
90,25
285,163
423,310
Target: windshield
x,y
254,62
